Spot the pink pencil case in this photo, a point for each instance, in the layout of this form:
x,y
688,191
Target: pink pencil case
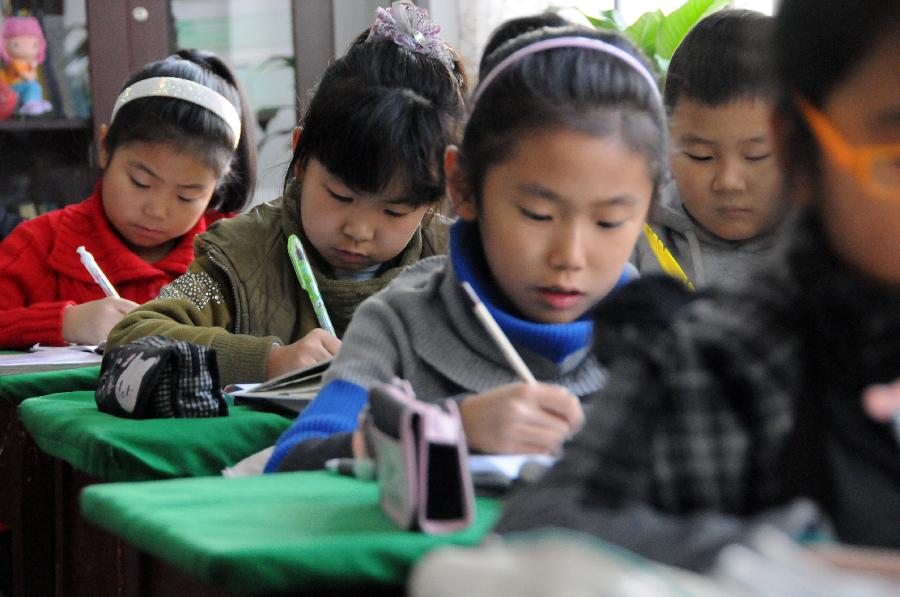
x,y
421,460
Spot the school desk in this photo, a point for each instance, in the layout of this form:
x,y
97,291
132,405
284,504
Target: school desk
x,y
26,473
300,533
14,442
82,446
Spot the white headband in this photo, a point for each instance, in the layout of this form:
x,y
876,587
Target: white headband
x,y
566,42
186,90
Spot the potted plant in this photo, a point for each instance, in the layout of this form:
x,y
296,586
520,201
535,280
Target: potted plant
x,y
657,34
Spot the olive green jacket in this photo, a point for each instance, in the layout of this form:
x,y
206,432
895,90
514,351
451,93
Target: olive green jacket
x,y
240,295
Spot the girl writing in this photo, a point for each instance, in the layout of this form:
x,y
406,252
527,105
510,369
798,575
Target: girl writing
x,y
784,389
175,155
562,154
366,169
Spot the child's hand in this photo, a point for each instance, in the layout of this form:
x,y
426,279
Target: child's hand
x,y
314,347
521,418
90,323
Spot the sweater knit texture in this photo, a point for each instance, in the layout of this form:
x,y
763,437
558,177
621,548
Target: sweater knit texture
x,y
241,295
41,274
422,329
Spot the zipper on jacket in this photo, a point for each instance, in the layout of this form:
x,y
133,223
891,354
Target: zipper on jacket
x,y
234,294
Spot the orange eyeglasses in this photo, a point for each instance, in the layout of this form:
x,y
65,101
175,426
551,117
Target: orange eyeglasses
x,y
875,167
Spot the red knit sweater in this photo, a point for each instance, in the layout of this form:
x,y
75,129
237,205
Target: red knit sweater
x,y
41,274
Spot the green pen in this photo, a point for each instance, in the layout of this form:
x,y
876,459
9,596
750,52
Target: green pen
x,y
308,281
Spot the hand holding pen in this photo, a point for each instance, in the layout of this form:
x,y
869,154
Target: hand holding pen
x,y
319,344
90,323
529,417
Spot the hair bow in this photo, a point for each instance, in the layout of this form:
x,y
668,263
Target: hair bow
x,y
409,27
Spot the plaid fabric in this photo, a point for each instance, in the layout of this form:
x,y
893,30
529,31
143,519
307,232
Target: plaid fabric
x,y
734,411
158,377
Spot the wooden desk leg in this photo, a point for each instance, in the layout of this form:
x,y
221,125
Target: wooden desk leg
x,y
27,508
89,560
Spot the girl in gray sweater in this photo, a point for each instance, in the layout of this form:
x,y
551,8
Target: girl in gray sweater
x,y
563,152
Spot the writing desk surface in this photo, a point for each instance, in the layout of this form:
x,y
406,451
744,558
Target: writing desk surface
x,y
16,388
271,533
68,426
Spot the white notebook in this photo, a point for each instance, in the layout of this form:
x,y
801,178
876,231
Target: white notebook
x,y
49,358
292,391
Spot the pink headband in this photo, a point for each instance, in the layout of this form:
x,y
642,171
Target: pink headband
x,y
565,42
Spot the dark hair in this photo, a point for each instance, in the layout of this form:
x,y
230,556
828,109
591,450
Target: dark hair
x,y
725,57
817,45
515,27
192,128
574,88
380,111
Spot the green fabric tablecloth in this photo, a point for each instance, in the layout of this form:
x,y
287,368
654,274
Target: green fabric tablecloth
x,y
16,388
272,533
69,426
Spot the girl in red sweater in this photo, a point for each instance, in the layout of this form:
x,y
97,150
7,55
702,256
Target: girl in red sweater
x,y
175,157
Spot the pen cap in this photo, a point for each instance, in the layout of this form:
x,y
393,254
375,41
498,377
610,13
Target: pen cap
x,y
298,256
83,254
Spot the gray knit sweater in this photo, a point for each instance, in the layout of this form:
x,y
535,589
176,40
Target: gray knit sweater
x,y
706,259
422,329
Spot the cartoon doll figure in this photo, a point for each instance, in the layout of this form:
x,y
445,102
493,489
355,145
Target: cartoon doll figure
x,y
22,49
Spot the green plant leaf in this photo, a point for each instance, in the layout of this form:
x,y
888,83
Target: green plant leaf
x,y
616,17
608,19
643,31
677,24
600,23
276,60
662,64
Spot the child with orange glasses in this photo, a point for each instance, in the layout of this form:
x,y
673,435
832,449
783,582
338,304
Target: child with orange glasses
x,y
755,401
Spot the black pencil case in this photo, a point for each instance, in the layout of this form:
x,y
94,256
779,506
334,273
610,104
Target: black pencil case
x,y
158,377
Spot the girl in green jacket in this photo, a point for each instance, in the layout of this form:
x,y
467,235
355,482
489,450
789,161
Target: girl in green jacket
x,y
360,193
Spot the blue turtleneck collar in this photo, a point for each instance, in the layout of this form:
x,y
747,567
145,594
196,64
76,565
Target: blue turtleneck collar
x,y
554,341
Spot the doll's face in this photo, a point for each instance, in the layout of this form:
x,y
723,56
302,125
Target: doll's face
x,y
23,47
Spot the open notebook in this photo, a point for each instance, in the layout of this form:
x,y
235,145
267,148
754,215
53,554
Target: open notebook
x,y
289,393
49,358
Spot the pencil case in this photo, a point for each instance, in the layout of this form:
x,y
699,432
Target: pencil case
x,y
158,377
421,460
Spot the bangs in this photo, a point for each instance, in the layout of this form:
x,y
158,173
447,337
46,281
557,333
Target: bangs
x,y
370,138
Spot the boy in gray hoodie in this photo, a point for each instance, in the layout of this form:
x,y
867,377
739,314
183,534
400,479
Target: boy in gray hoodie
x,y
719,217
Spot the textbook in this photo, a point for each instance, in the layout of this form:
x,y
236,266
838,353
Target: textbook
x,y
49,358
290,392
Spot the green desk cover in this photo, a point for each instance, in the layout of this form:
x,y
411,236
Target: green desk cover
x,y
69,426
271,533
16,388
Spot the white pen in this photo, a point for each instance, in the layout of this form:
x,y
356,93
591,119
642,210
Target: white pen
x,y
96,273
490,325
361,468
